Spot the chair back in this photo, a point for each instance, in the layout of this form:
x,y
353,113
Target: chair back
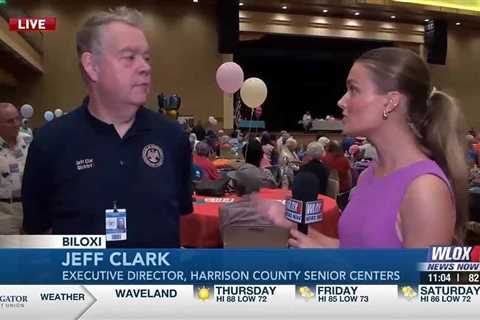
x,y
255,237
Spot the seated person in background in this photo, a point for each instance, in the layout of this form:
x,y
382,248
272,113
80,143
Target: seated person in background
x,y
253,155
200,158
369,152
357,163
246,183
336,160
266,161
237,141
347,142
212,140
324,141
223,140
472,155
267,141
311,163
226,150
265,138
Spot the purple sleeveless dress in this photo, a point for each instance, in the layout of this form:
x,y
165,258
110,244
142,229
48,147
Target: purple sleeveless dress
x,y
369,219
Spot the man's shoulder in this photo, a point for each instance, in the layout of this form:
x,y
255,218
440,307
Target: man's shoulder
x,y
315,165
60,127
161,122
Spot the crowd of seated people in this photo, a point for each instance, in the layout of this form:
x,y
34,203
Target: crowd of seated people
x,y
282,157
279,160
270,160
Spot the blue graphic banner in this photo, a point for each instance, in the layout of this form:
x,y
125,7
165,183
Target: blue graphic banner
x,y
207,266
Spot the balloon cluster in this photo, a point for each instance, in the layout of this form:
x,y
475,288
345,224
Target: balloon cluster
x,y
169,105
253,91
27,112
49,115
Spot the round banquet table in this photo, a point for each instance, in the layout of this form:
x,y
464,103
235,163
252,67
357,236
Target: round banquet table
x,y
200,229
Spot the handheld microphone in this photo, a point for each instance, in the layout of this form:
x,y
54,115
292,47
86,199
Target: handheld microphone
x,y
304,208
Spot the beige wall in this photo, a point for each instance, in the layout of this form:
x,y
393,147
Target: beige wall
x,y
461,74
184,44
183,39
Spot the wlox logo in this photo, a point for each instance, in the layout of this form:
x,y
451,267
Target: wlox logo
x,y
470,254
295,206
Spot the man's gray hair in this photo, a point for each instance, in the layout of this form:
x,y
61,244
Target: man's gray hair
x,y
202,149
89,37
315,150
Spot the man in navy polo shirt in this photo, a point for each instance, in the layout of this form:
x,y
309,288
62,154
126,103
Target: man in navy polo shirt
x,y
111,166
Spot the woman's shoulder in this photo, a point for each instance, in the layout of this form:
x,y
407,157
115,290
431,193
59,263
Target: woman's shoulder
x,y
427,212
425,171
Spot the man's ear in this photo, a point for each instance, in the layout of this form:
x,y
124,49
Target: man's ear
x,y
89,64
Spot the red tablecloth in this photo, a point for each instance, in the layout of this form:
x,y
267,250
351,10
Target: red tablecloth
x,y
200,229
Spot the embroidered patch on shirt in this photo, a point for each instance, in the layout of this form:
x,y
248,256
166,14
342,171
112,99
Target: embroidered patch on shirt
x,y
152,155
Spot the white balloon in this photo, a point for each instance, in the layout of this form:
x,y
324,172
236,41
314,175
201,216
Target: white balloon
x,y
48,115
58,113
26,111
253,92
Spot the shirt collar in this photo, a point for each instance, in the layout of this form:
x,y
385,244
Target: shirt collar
x,y
141,123
4,144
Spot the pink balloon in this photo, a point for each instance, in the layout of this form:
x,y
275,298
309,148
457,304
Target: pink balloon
x,y
230,77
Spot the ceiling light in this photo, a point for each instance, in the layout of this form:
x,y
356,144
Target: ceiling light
x,y
325,10
357,13
241,4
458,24
426,20
393,17
195,1
284,7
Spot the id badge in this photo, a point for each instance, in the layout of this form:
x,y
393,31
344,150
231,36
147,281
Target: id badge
x,y
116,224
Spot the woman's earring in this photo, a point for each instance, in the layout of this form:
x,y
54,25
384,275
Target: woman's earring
x,y
385,115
